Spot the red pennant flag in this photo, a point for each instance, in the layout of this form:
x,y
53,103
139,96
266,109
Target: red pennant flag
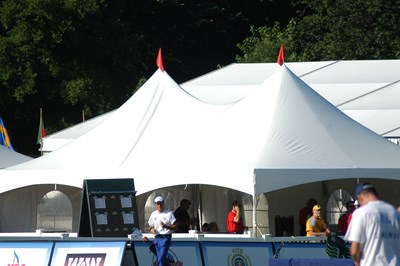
x,y
159,62
281,56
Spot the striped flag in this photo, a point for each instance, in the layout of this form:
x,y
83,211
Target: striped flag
x,y
4,138
42,132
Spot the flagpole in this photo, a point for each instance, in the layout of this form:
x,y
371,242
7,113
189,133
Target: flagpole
x,y
41,139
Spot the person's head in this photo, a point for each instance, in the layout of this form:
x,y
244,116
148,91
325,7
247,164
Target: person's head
x,y
236,205
205,227
316,210
159,201
365,192
311,202
185,204
213,227
350,206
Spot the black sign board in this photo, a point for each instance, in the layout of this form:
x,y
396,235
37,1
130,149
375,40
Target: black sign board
x,y
108,208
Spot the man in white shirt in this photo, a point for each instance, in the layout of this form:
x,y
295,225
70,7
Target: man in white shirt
x,y
374,230
161,224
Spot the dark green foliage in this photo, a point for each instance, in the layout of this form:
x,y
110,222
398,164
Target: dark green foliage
x,y
331,30
66,56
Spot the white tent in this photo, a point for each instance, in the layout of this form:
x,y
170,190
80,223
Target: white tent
x,y
365,90
9,157
280,135
165,134
60,138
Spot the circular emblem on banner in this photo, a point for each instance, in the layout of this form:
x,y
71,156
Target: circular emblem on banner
x,y
237,258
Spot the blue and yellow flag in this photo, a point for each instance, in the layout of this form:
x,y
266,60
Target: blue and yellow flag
x,y
4,138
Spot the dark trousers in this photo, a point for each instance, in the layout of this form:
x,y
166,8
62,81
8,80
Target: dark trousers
x,y
162,243
303,230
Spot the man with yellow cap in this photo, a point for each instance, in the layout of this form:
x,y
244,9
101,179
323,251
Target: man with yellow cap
x,y
316,225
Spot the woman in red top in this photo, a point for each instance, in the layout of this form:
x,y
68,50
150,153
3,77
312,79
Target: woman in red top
x,y
235,221
351,214
343,220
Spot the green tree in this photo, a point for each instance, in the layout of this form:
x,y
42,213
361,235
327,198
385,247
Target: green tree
x,y
332,30
264,43
67,55
64,56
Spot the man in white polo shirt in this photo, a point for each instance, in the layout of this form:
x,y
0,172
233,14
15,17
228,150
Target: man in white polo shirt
x,y
374,230
161,224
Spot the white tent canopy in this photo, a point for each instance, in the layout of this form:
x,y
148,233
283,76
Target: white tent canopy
x,y
9,157
63,137
365,90
282,131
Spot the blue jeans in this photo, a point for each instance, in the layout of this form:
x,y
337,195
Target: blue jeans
x,y
162,243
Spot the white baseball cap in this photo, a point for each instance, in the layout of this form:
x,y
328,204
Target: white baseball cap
x,y
159,199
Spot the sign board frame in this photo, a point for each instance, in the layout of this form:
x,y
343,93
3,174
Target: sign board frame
x,y
108,208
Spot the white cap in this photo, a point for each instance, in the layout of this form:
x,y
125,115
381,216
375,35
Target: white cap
x,y
159,198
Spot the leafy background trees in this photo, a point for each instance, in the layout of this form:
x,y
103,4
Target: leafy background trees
x,y
329,30
66,56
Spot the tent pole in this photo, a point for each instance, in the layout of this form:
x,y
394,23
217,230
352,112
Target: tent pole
x,y
254,206
200,212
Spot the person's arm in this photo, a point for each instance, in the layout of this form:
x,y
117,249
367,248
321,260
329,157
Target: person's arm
x,y
173,226
342,224
151,224
170,227
318,233
151,229
237,216
325,229
171,221
190,222
355,251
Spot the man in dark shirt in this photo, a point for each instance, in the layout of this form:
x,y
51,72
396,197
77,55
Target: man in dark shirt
x,y
183,218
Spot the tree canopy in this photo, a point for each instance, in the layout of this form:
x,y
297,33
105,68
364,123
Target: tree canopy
x,y
330,30
66,56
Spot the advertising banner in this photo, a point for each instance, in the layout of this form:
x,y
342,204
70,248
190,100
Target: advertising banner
x,y
88,253
237,253
184,253
25,253
301,250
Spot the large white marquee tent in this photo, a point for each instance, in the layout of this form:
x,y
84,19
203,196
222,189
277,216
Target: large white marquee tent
x,y
366,90
280,135
162,133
